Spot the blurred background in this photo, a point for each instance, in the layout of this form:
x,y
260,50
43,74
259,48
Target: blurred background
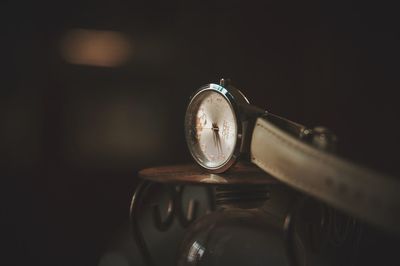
x,y
93,91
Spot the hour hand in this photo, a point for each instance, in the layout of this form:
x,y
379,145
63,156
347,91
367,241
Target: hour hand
x,y
214,128
219,145
217,139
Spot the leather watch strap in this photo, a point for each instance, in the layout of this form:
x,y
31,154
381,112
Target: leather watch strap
x,y
354,189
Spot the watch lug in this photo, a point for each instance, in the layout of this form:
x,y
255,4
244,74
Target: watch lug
x,y
252,111
245,138
224,82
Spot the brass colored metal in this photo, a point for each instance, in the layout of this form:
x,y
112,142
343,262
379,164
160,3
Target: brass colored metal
x,y
241,173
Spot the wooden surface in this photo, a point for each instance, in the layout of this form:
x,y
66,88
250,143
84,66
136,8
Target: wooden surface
x,y
191,173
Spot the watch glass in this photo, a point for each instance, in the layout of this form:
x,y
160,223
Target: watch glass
x,y
211,129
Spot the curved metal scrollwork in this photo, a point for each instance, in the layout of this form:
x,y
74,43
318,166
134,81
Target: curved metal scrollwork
x,y
330,230
164,225
134,222
174,210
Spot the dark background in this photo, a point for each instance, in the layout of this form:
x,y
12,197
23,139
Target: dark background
x,y
73,135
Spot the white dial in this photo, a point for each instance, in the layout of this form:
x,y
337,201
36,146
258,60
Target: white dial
x,y
211,129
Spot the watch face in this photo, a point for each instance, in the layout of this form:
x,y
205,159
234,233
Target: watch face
x,y
211,129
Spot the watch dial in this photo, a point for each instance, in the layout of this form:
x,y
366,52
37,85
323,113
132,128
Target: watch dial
x,y
211,129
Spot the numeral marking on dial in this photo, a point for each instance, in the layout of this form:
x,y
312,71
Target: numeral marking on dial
x,y
225,130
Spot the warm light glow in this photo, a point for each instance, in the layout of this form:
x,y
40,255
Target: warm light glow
x,y
96,48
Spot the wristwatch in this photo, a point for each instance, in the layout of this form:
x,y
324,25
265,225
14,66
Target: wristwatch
x,y
221,127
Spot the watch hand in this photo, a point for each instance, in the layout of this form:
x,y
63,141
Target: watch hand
x,y
219,143
214,139
217,137
215,134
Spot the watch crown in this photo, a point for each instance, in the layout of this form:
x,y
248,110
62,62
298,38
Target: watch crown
x,y
224,82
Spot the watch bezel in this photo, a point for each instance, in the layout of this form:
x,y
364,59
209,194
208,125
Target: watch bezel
x,y
236,100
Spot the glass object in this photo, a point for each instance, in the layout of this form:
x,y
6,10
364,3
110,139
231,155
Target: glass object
x,y
238,233
246,230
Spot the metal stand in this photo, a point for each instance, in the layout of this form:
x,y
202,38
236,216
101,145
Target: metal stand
x,y
341,232
174,210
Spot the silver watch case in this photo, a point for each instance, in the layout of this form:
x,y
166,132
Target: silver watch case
x,y
243,111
